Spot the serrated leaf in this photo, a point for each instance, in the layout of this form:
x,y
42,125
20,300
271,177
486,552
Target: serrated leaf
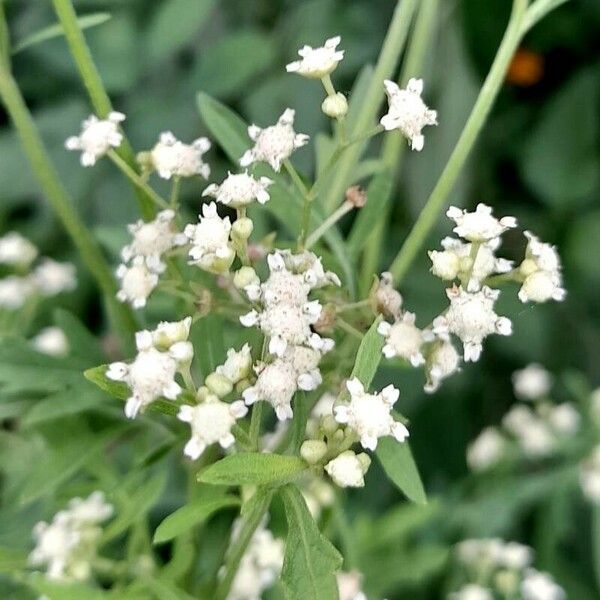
x,y
399,465
369,355
56,30
310,560
191,515
174,25
254,469
379,194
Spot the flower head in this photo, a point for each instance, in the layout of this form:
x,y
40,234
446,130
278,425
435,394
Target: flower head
x,y
51,341
540,586
471,317
239,190
15,250
486,450
172,158
274,144
404,339
238,364
316,63
531,383
369,415
97,137
472,591
442,361
210,246
480,225
15,291
211,423
52,277
407,112
348,469
137,282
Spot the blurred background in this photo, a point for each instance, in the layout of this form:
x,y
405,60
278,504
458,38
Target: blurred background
x,y
538,159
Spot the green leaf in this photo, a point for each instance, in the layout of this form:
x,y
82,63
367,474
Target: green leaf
x,y
165,590
379,194
4,37
118,389
63,591
368,356
207,333
56,30
561,159
399,465
310,560
191,515
12,560
230,63
81,341
228,128
254,469
174,25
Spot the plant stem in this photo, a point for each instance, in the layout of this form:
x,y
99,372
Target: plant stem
x,y
250,522
95,88
120,315
456,162
174,199
289,167
135,178
388,59
255,423
328,223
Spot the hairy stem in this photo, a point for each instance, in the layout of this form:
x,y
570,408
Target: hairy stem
x,y
456,162
120,315
95,88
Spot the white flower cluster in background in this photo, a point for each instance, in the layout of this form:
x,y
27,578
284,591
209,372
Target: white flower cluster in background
x,y
66,546
589,476
285,318
143,258
260,566
496,568
26,280
536,430
51,341
162,353
349,585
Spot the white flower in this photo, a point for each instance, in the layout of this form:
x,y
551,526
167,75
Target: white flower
x,y
172,158
91,511
210,249
238,364
564,418
515,556
404,339
211,422
388,300
137,282
305,362
542,272
240,190
51,341
442,361
15,250
348,469
316,63
531,383
15,291
150,376
311,267
589,476
53,278
407,111
152,239
276,384
480,225
540,586
536,439
369,415
472,591
471,317
169,333
486,450
274,144
97,137
349,584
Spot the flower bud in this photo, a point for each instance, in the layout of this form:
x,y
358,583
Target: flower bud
x,y
144,159
182,352
356,196
528,267
244,277
384,298
218,384
326,320
169,333
330,425
202,394
312,451
218,264
241,230
335,106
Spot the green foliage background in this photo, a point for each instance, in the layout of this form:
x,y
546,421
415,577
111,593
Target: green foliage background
x,y
538,159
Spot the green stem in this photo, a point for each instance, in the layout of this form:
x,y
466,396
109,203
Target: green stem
x,y
120,315
174,199
135,178
299,422
94,86
255,423
328,85
251,520
386,64
327,224
289,167
456,162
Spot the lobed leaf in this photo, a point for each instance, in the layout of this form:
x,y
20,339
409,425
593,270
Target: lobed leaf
x,y
253,469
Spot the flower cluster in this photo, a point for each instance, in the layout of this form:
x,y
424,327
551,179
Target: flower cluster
x,y
498,568
51,341
536,431
24,279
589,476
66,546
173,158
97,137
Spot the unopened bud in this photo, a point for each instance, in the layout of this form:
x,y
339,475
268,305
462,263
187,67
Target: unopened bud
x,y
312,451
241,230
182,352
528,267
384,298
218,384
329,425
244,277
364,460
167,333
144,159
356,196
335,106
326,320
